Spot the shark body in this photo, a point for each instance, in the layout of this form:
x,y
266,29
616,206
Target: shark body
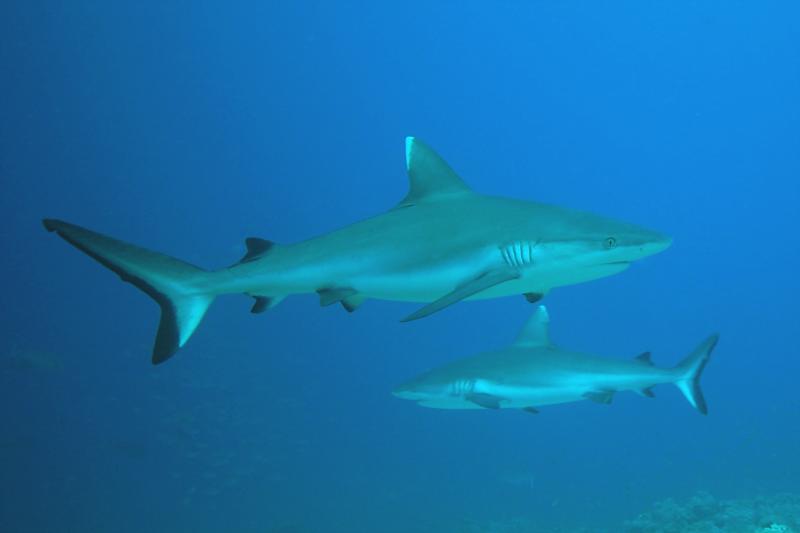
x,y
533,373
441,244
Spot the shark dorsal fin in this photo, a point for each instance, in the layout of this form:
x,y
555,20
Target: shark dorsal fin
x,y
644,358
535,333
429,175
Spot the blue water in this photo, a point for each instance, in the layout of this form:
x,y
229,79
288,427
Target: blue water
x,y
187,126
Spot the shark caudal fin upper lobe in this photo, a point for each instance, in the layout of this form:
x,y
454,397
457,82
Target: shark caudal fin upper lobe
x,y
170,282
689,371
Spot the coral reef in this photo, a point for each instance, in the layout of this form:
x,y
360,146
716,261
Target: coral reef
x,y
701,513
704,514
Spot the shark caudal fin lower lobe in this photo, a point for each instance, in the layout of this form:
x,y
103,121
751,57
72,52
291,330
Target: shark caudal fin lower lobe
x,y
170,282
689,371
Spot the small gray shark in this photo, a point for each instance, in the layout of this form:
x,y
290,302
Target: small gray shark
x,y
533,372
441,244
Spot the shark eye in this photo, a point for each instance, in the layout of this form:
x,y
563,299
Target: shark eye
x,y
610,242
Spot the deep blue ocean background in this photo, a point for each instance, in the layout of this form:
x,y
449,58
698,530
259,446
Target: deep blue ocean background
x,y
187,126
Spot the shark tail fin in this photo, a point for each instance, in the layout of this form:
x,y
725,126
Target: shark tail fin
x,y
170,282
689,371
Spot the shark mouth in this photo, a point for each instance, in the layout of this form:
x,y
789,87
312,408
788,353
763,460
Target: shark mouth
x,y
612,267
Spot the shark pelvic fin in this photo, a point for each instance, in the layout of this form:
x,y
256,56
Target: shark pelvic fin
x,y
600,396
483,399
645,358
465,290
428,174
533,297
335,294
351,303
170,282
535,332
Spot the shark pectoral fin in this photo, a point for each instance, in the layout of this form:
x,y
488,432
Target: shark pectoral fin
x,y
647,392
600,396
333,295
483,399
531,410
351,303
474,286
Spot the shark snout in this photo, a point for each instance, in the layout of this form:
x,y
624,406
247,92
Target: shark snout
x,y
656,244
407,394
416,390
403,391
403,394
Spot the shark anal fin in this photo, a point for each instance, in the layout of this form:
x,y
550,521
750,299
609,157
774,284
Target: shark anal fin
x,y
260,305
648,391
483,399
645,357
531,410
264,303
335,294
600,396
474,286
533,297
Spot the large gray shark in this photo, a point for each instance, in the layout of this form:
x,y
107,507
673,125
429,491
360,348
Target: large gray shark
x,y
441,244
533,372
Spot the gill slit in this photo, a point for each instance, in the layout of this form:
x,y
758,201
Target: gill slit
x,y
518,253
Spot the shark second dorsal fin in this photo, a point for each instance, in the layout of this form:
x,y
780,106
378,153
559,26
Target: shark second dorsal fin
x,y
535,333
256,248
429,175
